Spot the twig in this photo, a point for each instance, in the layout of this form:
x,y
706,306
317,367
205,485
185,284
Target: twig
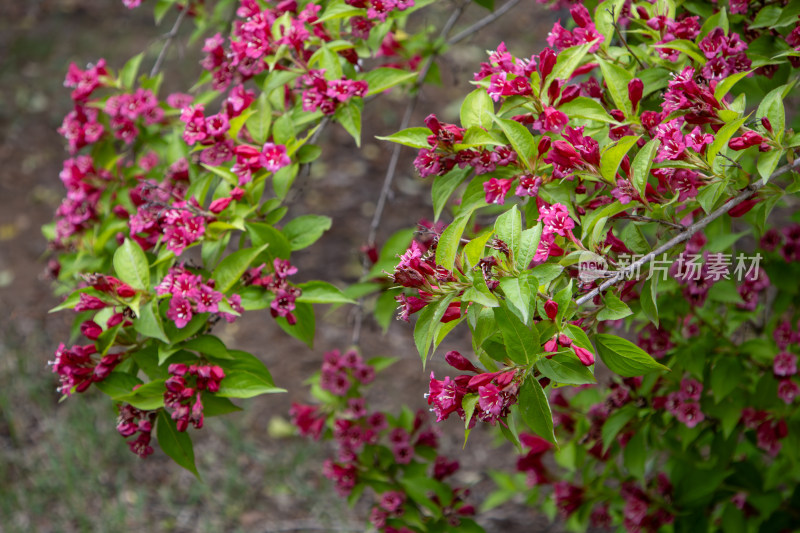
x,y
621,38
485,21
641,218
391,170
168,40
685,235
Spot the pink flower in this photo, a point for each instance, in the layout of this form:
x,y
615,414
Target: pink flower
x,y
556,219
788,390
785,364
496,190
273,157
180,311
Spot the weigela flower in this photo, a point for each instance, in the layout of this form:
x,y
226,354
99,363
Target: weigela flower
x,y
556,219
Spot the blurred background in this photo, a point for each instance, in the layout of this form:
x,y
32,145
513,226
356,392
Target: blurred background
x,y
63,467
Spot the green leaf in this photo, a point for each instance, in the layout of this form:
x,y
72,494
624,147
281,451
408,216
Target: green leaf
x,y
625,358
304,328
772,108
766,17
474,249
588,108
635,454
449,242
264,234
230,270
304,230
535,409
613,155
613,308
468,404
518,294
477,109
245,377
604,20
687,47
383,78
258,124
444,186
521,341
640,168
127,76
724,86
578,336
767,163
149,324
428,323
131,265
725,377
321,292
214,405
617,79
565,368
710,194
649,301
508,228
413,137
176,444
521,139
568,60
717,20
118,384
349,116
148,397
615,423
529,243
479,292
208,345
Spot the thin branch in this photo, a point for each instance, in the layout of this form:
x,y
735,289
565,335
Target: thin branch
x,y
685,235
391,170
168,40
485,21
641,218
621,38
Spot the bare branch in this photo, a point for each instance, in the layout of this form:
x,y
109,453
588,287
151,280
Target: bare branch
x,y
485,21
391,170
168,40
640,218
686,234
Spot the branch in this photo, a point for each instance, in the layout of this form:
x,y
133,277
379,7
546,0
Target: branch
x,y
640,218
391,170
621,38
168,40
485,21
686,234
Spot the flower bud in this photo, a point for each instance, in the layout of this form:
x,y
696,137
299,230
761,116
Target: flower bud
x,y
635,89
91,330
767,124
586,357
219,205
551,346
563,340
544,145
459,362
547,60
551,309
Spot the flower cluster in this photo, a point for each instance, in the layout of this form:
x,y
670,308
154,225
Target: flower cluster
x,y
340,372
80,366
585,31
190,295
85,185
185,399
418,270
683,404
364,438
132,421
125,109
326,95
285,294
496,391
